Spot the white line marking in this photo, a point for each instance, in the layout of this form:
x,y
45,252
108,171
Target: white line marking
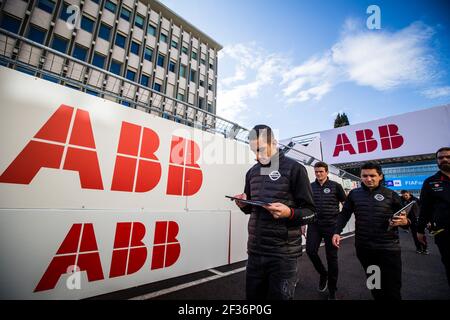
x,y
200,281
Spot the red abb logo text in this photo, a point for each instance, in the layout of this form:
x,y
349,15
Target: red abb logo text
x,y
389,139
66,142
129,255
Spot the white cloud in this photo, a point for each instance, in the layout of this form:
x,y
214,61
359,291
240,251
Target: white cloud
x,y
382,60
254,69
438,92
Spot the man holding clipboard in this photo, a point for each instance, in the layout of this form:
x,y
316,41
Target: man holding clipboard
x,y
280,202
378,213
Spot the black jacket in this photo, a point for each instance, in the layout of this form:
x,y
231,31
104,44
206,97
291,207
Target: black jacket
x,y
327,198
413,214
435,202
278,237
372,209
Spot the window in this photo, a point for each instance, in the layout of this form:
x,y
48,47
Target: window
x,y
193,75
120,40
210,109
98,60
184,50
163,38
131,75
116,67
160,60
65,13
139,21
203,61
60,44
135,48
211,66
11,24
201,102
210,87
80,52
172,66
145,80
148,54
202,83
151,30
180,96
125,14
46,5
174,44
35,34
87,24
157,87
104,32
182,71
111,6
194,55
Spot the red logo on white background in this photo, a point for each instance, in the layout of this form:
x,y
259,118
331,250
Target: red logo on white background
x,y
66,142
79,248
389,139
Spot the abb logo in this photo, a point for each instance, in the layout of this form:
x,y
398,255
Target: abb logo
x,y
389,139
129,255
66,142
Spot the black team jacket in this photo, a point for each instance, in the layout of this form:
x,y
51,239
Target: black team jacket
x,y
288,185
373,210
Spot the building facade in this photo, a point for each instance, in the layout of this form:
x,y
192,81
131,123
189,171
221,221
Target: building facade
x,y
142,41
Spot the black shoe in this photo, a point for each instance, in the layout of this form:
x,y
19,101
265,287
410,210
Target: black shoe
x,y
323,283
425,252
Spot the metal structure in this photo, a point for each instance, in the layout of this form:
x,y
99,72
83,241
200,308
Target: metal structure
x,y
24,55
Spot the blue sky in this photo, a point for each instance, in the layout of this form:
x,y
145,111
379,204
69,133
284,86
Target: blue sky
x,y
295,64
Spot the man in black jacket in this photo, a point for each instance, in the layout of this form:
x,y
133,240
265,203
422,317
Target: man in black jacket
x,y
274,236
376,236
435,207
327,197
413,215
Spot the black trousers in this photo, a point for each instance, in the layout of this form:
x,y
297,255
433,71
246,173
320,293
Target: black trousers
x,y
270,278
442,240
314,237
390,264
419,246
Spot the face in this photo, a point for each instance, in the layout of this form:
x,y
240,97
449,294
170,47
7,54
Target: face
x,y
321,174
443,160
406,196
371,178
262,149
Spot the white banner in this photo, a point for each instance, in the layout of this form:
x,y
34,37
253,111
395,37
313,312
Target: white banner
x,y
89,183
414,133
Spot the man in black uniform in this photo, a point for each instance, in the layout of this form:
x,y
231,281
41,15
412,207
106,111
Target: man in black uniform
x,y
413,215
376,236
274,236
327,196
435,207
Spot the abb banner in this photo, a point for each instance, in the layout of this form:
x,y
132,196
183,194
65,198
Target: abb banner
x,y
96,197
414,133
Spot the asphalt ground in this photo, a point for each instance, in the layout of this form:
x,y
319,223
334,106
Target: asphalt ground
x,y
423,279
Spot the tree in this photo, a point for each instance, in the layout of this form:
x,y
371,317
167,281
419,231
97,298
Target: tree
x,y
341,120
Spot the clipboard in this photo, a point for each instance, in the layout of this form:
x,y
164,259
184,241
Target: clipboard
x,y
406,208
250,202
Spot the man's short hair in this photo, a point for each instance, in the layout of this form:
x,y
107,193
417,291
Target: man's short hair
x,y
261,130
442,149
404,191
372,165
321,164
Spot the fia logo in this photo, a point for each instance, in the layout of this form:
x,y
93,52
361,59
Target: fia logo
x,y
379,197
274,175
